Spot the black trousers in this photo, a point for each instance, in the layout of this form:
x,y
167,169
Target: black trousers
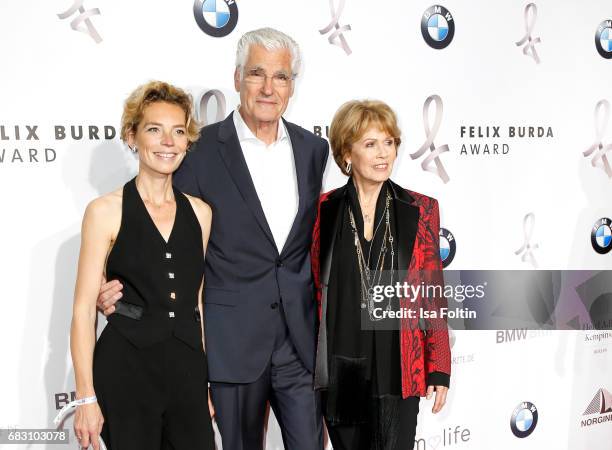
x,y
241,408
359,437
154,397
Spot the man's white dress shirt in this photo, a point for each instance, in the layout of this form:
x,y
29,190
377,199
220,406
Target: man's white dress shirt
x,y
272,169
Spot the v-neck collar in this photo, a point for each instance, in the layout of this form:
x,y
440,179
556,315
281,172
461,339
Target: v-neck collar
x,y
151,221
353,199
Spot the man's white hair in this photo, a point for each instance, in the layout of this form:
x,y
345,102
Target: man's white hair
x,y
270,39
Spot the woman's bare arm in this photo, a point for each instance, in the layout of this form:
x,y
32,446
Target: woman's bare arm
x,y
204,215
97,234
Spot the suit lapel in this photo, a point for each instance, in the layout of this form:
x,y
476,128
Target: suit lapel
x,y
232,155
407,220
300,158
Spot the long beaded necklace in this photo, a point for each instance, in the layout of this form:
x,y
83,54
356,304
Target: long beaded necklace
x,y
371,278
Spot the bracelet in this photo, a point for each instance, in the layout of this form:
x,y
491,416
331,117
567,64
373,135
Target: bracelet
x,y
86,400
73,404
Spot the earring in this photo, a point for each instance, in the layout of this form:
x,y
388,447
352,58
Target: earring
x,y
348,167
134,149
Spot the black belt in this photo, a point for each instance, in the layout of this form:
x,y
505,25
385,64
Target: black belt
x,y
136,311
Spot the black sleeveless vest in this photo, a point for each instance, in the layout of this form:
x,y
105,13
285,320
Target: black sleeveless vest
x,y
160,280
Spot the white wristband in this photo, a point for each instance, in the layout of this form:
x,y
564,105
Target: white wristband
x,y
74,404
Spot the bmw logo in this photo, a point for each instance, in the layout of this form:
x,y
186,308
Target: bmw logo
x,y
216,18
601,236
448,247
603,39
437,27
524,419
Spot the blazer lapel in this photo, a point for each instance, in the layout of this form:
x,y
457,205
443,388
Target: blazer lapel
x,y
300,157
232,155
329,222
330,217
407,220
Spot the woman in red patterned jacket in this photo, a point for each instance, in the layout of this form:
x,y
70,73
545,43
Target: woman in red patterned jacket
x,y
372,367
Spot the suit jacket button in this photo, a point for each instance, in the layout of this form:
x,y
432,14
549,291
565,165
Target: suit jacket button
x,y
274,305
279,262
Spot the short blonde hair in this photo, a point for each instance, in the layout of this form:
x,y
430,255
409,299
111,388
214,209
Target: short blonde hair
x,y
353,119
153,92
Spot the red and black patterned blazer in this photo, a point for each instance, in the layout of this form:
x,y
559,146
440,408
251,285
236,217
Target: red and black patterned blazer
x,y
425,355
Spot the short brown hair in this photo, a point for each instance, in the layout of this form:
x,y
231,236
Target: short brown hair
x,y
153,92
353,119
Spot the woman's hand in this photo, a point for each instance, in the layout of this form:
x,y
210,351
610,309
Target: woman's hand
x,y
88,422
440,401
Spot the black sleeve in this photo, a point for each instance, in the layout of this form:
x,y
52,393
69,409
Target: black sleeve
x,y
438,379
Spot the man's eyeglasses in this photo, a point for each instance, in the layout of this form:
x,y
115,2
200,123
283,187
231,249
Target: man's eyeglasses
x,y
259,76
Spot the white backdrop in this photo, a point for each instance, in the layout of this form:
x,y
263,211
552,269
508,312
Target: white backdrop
x,y
54,76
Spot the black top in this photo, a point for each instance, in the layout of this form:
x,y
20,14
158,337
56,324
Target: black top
x,y
364,356
161,280
380,341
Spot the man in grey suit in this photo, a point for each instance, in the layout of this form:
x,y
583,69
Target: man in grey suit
x,y
262,177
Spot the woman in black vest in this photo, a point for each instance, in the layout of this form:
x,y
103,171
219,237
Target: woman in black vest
x,y
145,385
